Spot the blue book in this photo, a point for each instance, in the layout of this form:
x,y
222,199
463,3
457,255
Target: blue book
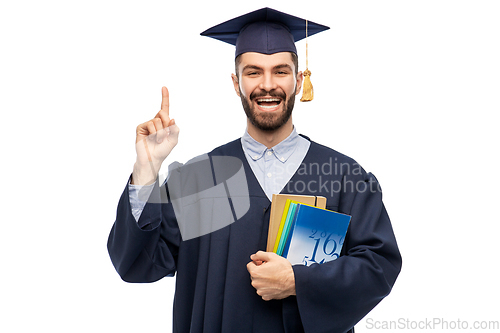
x,y
316,235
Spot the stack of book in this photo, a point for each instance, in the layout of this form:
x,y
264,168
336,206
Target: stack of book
x,y
303,231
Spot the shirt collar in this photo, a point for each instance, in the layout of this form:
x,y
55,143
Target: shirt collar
x,y
282,150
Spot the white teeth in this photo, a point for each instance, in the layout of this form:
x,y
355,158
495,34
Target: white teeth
x,y
267,107
268,100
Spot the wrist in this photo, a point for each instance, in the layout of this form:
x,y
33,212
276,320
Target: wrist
x,y
290,283
144,174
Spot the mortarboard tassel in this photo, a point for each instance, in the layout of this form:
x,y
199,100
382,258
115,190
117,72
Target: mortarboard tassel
x,y
307,89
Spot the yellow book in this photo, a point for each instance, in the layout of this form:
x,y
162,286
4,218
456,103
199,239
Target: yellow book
x,y
282,225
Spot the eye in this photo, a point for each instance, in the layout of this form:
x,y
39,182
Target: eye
x,y
252,73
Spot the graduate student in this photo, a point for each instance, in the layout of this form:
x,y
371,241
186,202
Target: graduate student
x,y
208,223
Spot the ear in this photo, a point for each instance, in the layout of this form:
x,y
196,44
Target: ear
x,y
236,84
300,78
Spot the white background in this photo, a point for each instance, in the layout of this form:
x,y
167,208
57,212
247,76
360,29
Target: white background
x,y
410,89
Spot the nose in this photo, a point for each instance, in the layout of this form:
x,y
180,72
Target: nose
x,y
267,82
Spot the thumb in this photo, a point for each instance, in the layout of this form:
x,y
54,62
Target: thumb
x,y
173,129
262,256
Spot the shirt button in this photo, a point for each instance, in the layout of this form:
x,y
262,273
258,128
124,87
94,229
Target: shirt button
x,y
269,153
282,159
256,157
269,175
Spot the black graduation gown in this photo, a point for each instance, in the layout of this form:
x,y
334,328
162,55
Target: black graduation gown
x,y
213,287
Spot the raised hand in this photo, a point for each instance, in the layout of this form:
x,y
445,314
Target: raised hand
x,y
155,139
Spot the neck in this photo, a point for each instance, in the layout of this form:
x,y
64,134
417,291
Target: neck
x,y
270,139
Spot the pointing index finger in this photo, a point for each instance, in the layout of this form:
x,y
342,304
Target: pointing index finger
x,y
164,100
164,112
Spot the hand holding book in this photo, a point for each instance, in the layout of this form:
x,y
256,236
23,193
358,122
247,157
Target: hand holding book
x,y
272,276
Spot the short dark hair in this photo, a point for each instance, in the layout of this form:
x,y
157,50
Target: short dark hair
x,y
295,61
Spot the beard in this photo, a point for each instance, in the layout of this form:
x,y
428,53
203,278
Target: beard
x,y
271,121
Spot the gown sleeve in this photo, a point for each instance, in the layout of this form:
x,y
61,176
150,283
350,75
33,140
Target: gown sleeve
x,y
144,250
334,296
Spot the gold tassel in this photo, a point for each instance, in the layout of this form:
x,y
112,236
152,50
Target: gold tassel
x,y
307,90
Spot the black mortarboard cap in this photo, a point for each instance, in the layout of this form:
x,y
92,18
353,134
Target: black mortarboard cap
x,y
265,31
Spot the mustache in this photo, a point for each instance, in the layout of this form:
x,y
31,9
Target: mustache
x,y
272,93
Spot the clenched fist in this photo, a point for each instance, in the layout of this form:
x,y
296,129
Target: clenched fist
x,y
272,275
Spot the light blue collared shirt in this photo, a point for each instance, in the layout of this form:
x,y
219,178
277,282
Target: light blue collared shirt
x,y
274,167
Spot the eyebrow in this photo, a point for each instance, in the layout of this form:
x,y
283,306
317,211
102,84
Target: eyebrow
x,y
251,67
283,66
260,68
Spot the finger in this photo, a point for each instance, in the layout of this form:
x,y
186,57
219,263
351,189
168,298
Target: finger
x,y
261,256
250,266
151,127
158,124
142,130
160,131
163,116
165,105
172,131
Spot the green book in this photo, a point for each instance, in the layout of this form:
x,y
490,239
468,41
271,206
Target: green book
x,y
286,226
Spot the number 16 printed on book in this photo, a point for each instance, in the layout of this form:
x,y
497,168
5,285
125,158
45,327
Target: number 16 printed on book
x,y
329,247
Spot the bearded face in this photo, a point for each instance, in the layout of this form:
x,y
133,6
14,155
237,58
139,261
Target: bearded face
x,y
266,120
267,86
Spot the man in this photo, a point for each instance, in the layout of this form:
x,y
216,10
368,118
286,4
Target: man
x,y
226,282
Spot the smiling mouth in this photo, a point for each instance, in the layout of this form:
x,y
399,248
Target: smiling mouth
x,y
268,104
